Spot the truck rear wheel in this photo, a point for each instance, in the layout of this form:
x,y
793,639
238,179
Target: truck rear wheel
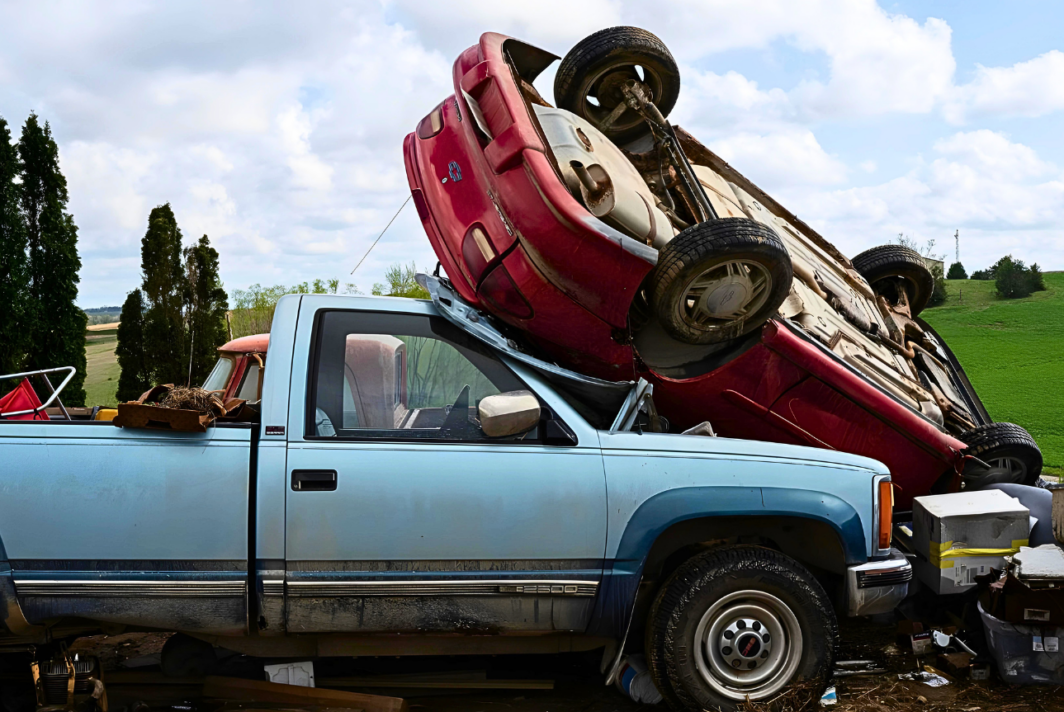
x,y
740,623
719,280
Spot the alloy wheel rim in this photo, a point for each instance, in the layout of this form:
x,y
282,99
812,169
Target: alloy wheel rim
x,y
740,660
1003,470
725,293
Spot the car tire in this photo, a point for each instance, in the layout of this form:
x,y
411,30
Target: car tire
x,y
719,280
597,67
879,264
759,598
1011,452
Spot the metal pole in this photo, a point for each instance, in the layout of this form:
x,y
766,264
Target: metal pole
x,y
191,346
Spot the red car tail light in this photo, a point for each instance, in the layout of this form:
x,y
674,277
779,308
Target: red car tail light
x,y
499,289
477,251
431,124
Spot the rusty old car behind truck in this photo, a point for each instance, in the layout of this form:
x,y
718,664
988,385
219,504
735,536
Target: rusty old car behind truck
x,y
417,486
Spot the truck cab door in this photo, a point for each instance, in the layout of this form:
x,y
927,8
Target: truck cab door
x,y
402,515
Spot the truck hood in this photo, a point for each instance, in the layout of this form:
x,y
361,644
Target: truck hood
x,y
677,445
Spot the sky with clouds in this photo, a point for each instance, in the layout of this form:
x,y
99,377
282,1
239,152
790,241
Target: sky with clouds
x,y
276,128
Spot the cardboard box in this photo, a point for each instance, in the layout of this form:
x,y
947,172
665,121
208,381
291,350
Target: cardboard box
x,y
963,535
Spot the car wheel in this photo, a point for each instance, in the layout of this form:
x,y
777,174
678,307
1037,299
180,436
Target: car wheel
x,y
740,623
1009,450
888,266
718,280
590,78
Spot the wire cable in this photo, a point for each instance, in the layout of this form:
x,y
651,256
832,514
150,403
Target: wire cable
x,y
381,235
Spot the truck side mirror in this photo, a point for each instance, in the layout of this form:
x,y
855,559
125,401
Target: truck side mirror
x,y
509,413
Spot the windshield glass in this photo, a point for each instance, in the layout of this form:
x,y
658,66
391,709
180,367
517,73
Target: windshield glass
x,y
219,375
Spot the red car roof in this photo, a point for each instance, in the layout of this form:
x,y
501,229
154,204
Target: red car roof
x,y
256,343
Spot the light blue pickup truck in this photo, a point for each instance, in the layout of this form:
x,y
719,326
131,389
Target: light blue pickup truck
x,y
418,484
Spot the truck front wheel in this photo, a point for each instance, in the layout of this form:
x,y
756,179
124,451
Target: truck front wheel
x,y
740,623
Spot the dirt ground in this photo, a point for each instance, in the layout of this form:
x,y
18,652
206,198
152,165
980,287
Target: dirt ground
x,y
578,685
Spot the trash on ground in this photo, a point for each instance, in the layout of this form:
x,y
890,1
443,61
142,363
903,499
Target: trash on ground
x,y
633,679
928,678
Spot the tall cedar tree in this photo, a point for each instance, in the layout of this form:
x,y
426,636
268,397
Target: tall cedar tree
x,y
164,292
134,378
205,306
14,272
57,325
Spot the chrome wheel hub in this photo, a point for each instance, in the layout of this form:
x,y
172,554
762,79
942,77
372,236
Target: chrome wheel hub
x,y
729,291
748,644
745,644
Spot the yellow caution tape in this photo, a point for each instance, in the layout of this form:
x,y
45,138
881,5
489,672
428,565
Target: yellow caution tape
x,y
946,551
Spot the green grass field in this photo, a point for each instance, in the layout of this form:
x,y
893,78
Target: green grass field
x,y
1013,353
101,375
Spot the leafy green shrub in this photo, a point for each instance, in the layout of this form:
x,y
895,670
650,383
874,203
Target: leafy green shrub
x,y
956,271
984,275
1012,277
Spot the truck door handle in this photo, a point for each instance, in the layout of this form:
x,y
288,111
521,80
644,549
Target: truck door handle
x,y
314,480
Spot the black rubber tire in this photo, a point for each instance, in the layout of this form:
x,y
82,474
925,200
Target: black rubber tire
x,y
698,249
701,581
620,47
1001,440
880,263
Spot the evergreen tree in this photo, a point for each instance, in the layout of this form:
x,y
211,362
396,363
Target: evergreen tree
x,y
1035,278
164,293
134,378
57,326
956,271
14,274
205,306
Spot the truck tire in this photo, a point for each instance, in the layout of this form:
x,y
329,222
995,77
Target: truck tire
x,y
597,67
1011,452
719,280
879,264
738,623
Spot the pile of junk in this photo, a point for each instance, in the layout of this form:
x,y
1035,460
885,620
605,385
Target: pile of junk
x,y
596,234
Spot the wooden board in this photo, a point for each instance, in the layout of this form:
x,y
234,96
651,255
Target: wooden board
x,y
231,688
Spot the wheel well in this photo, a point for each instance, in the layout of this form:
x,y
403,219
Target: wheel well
x,y
810,542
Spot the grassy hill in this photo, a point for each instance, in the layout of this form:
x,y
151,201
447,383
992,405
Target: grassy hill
x,y
1013,352
101,373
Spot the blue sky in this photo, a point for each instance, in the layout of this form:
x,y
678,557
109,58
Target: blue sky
x,y
276,128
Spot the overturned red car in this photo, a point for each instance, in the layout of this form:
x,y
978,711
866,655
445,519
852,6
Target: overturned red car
x,y
621,246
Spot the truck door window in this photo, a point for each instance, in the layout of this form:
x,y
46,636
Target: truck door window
x,y
376,375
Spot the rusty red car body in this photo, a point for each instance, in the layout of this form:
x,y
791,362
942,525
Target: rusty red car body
x,y
516,243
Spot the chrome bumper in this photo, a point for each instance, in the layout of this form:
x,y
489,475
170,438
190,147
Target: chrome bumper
x,y
877,586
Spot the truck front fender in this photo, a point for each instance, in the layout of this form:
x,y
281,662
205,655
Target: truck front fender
x,y
617,597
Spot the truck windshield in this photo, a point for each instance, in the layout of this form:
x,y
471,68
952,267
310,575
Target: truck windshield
x,y
219,375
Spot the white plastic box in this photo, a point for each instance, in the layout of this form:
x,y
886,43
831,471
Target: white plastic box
x,y
963,535
301,673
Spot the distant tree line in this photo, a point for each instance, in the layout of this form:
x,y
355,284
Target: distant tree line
x,y
40,325
170,329
253,307
1012,277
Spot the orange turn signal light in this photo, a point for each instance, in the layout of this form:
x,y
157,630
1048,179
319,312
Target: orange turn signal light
x,y
886,512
